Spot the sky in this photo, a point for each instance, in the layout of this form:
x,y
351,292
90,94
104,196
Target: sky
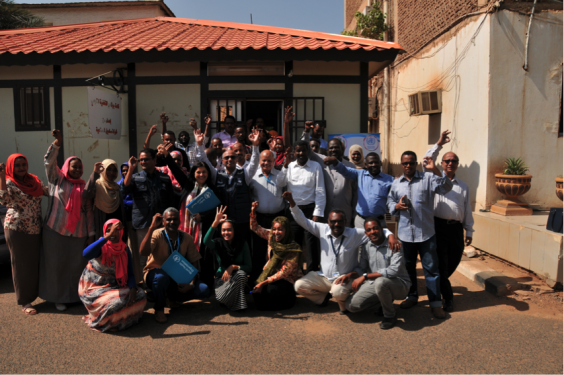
x,y
317,15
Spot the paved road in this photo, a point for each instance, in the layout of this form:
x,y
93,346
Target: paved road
x,y
486,334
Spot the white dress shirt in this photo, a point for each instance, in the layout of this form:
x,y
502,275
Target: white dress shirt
x,y
306,184
338,254
250,169
454,205
267,193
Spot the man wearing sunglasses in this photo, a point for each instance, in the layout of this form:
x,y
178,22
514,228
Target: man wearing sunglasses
x,y
453,217
412,198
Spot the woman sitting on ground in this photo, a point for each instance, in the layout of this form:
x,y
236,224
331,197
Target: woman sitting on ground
x,y
234,259
275,285
107,286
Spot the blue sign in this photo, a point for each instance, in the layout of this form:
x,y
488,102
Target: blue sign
x,y
370,142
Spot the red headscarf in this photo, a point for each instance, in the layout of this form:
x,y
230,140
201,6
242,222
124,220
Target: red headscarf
x,y
280,156
115,252
75,198
30,185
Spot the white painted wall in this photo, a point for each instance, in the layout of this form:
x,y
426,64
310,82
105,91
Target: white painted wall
x,y
459,67
523,120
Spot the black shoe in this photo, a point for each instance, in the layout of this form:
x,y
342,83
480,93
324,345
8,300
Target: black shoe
x,y
406,304
343,312
448,305
326,300
388,323
379,312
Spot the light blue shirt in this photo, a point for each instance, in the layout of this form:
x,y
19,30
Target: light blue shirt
x,y
417,224
372,191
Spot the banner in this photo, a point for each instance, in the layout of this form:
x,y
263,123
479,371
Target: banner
x,y
177,267
104,114
203,202
370,142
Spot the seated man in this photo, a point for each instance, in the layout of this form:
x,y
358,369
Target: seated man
x,y
339,256
158,244
384,276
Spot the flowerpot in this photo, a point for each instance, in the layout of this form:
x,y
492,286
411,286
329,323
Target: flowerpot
x,y
559,187
512,186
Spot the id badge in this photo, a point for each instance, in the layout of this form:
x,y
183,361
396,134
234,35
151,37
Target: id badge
x,y
335,275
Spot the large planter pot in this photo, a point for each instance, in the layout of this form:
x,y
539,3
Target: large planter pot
x,y
559,187
512,187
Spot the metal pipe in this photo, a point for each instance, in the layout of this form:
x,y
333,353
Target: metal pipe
x,y
526,65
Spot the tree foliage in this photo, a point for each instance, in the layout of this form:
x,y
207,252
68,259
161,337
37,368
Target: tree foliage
x,y
14,17
371,26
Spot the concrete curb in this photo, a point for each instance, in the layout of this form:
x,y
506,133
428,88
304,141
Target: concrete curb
x,y
492,281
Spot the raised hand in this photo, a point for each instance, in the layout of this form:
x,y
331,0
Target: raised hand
x,y
308,126
254,207
98,168
164,118
157,221
289,197
444,138
199,137
153,130
133,163
428,162
58,137
207,120
220,216
271,143
289,157
167,149
254,137
331,160
288,114
194,124
114,231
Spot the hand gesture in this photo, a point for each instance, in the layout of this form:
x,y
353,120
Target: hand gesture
x,y
58,137
428,162
288,114
167,149
98,168
220,216
254,137
402,205
357,283
254,207
194,124
2,171
133,163
160,150
157,221
331,160
271,143
199,137
153,130
288,196
444,138
308,126
164,118
114,230
289,157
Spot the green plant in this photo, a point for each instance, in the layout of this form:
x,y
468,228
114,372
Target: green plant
x,y
515,166
14,17
371,26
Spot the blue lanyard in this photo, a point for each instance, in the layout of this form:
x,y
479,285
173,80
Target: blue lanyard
x,y
268,179
338,249
170,244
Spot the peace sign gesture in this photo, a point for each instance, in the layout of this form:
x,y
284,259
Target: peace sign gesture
x,y
220,216
288,114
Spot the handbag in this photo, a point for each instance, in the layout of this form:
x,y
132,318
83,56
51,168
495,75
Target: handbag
x,y
554,222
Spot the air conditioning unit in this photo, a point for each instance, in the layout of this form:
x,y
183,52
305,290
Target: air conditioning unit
x,y
425,103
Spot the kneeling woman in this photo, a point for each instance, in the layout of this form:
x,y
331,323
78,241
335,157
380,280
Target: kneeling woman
x,y
107,286
234,257
275,285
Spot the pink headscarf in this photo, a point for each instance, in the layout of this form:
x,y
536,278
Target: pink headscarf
x,y
117,252
75,199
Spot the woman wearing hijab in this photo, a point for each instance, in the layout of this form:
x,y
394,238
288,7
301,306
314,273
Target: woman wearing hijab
x,y
234,259
21,193
107,286
69,224
356,156
274,288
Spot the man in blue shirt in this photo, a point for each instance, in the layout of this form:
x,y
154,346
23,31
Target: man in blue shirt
x,y
412,198
373,188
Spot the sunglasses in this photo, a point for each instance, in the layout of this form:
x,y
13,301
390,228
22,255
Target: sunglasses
x,y
229,157
410,163
449,161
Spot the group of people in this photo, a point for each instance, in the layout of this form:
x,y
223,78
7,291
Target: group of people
x,y
293,219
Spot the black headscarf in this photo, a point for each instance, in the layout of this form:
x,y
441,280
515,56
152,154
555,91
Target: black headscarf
x,y
226,251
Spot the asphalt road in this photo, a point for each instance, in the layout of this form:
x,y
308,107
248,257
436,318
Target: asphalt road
x,y
485,334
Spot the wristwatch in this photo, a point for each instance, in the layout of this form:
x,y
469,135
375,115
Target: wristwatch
x,y
365,275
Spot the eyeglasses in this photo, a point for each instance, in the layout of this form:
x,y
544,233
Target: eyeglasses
x,y
449,161
230,157
410,163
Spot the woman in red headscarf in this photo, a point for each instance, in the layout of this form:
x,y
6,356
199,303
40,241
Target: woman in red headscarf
x,y
21,193
107,286
69,224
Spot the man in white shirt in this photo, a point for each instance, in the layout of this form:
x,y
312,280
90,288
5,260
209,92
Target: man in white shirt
x,y
339,256
304,179
453,217
264,190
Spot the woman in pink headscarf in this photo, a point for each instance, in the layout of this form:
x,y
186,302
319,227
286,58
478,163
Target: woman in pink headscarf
x,y
69,225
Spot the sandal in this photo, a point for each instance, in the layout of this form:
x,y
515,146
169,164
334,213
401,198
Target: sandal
x,y
30,310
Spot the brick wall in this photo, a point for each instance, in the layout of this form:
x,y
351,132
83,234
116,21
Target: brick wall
x,y
351,6
420,20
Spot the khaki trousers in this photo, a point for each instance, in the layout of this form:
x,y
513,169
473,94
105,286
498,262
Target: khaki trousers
x,y
315,287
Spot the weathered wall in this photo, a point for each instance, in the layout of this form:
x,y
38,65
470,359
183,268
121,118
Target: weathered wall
x,y
525,105
351,7
342,105
458,66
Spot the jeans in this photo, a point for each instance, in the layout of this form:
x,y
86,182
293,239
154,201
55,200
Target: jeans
x,y
164,286
427,251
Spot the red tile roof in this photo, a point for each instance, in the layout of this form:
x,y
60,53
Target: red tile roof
x,y
171,33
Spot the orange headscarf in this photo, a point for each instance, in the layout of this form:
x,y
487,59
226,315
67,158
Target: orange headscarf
x,y
115,251
30,184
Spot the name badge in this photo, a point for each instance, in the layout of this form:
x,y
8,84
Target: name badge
x,y
335,275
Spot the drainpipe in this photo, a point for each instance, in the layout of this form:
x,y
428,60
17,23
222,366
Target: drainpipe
x,y
526,65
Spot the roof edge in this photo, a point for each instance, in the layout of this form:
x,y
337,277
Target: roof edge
x,y
161,3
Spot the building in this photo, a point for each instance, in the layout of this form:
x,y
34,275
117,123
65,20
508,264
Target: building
x,y
473,55
56,14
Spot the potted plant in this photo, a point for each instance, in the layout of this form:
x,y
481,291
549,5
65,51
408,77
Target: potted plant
x,y
513,182
559,186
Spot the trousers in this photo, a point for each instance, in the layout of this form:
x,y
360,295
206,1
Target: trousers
x,y
315,287
164,286
382,292
450,245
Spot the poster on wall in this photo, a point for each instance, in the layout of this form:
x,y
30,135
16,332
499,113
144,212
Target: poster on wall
x,y
370,142
104,114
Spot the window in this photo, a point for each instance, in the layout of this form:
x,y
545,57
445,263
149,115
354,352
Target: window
x,y
32,108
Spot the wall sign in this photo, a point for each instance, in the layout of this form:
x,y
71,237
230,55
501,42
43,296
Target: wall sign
x,y
370,142
104,114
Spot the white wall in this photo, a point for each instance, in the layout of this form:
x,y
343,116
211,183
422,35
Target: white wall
x,y
459,67
525,105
